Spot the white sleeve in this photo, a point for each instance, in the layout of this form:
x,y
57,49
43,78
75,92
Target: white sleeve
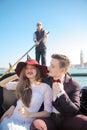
x,y
34,37
60,93
48,96
46,31
11,85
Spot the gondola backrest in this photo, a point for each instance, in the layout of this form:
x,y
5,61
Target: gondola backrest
x,y
9,97
83,100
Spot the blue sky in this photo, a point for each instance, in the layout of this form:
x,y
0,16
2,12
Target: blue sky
x,y
65,19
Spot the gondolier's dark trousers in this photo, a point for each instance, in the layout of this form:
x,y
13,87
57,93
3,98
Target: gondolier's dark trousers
x,y
41,54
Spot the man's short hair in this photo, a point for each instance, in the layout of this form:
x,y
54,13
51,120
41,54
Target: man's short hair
x,y
63,60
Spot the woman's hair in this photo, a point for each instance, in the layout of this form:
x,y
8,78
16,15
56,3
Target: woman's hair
x,y
23,90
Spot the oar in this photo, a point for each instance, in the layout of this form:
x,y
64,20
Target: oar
x,y
11,66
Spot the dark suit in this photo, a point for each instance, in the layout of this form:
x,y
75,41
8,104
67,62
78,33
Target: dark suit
x,y
68,105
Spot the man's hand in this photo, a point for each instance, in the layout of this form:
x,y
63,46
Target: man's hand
x,y
57,90
37,43
45,35
8,113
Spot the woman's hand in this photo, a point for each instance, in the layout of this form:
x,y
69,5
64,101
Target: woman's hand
x,y
8,113
24,112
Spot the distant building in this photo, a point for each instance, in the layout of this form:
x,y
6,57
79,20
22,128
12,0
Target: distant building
x,y
82,63
81,59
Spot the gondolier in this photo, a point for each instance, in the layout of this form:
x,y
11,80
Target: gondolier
x,y
39,38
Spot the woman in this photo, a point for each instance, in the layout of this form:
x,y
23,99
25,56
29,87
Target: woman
x,y
31,93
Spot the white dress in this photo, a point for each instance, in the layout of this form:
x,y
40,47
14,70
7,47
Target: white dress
x,y
40,93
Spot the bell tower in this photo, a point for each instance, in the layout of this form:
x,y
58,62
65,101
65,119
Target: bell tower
x,y
81,59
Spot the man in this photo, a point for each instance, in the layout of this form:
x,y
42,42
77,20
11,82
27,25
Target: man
x,y
66,100
40,40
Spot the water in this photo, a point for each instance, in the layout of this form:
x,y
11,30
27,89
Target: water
x,y
81,79
78,70
2,71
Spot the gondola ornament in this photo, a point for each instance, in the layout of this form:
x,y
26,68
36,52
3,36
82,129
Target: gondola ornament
x,y
12,66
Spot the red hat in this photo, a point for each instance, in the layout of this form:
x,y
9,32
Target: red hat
x,y
21,65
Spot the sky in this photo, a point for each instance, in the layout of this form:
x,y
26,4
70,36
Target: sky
x,y
66,20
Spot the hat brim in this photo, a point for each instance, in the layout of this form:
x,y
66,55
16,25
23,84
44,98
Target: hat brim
x,y
21,65
43,70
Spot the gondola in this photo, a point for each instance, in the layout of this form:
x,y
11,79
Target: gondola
x,y
8,97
